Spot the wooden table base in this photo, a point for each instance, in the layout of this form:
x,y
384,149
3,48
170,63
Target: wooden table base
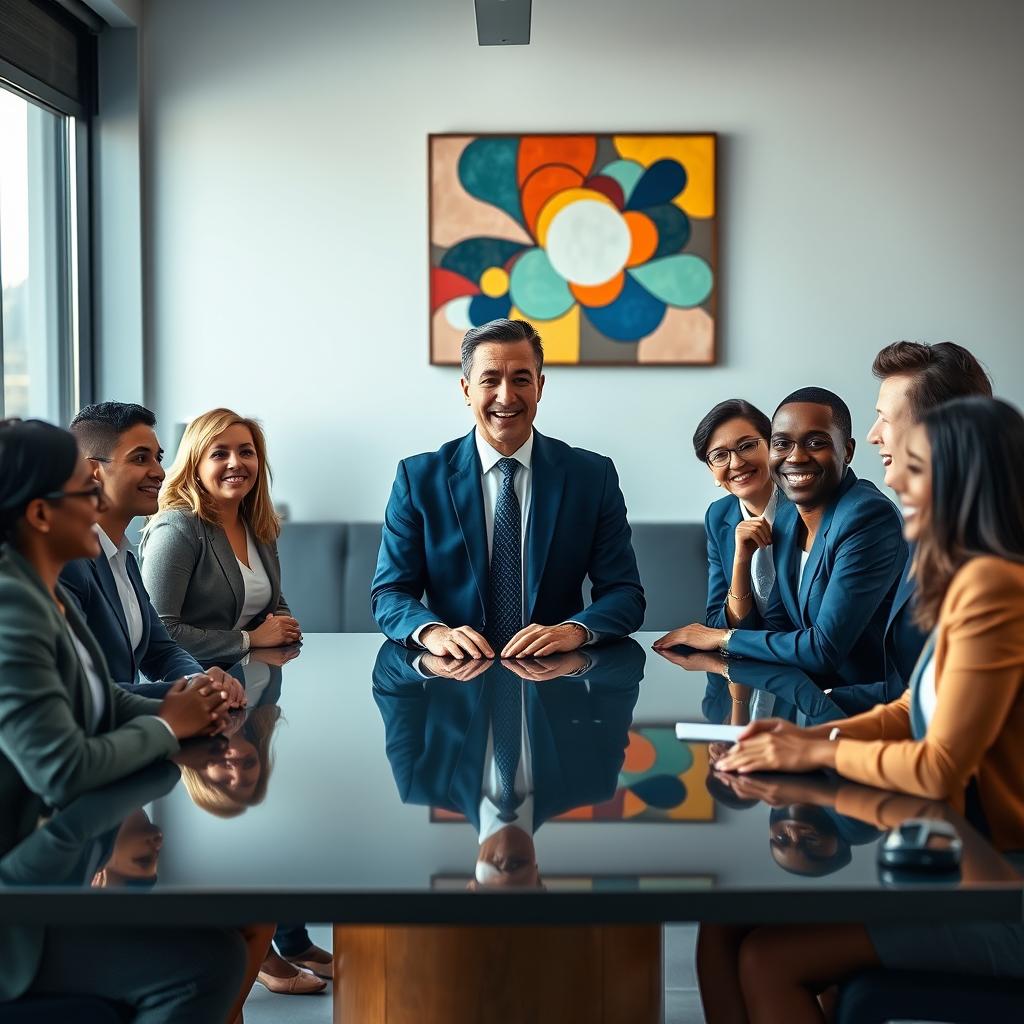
x,y
481,975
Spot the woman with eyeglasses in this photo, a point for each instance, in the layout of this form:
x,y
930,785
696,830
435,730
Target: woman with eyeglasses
x,y
839,557
957,733
732,440
66,729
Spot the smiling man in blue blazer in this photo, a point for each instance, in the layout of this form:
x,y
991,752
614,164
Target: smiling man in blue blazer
x,y
119,440
839,555
498,530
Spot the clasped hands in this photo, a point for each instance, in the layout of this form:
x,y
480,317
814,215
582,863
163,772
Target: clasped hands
x,y
201,706
533,641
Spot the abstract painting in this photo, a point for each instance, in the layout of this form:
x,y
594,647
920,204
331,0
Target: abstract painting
x,y
661,780
607,244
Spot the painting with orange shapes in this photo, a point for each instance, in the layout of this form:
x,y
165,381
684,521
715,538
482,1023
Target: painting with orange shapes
x,y
607,244
660,780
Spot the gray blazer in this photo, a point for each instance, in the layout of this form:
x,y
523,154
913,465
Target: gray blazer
x,y
196,586
49,753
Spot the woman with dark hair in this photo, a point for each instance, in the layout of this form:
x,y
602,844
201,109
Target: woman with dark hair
x,y
732,440
66,729
960,724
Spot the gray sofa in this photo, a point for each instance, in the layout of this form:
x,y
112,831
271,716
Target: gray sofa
x,y
326,569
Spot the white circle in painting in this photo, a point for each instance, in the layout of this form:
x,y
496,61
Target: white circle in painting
x,y
456,312
588,242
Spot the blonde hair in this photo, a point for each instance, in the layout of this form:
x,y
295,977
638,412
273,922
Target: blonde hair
x,y
183,492
258,730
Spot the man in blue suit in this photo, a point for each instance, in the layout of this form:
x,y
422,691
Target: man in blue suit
x,y
498,529
838,558
120,441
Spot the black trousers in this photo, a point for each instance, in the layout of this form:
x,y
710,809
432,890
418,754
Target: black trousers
x,y
168,976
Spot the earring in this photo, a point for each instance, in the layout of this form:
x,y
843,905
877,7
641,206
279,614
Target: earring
x,y
718,483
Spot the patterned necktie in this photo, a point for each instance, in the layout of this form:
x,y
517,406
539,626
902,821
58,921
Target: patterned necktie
x,y
506,730
505,583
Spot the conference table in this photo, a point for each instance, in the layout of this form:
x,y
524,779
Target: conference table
x,y
351,792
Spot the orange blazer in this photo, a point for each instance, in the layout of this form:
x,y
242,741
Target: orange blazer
x,y
978,725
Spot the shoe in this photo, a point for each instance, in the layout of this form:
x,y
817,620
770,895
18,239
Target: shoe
x,y
300,984
321,968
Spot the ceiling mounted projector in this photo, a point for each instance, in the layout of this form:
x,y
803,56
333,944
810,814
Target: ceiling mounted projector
x,y
503,22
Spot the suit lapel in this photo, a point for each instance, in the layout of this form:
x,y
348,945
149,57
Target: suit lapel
x,y
273,571
105,578
787,559
904,592
467,778
221,548
76,624
817,551
732,519
547,483
468,500
135,577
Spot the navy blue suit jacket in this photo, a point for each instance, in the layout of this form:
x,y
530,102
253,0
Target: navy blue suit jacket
x,y
841,605
720,522
904,641
434,543
91,583
436,731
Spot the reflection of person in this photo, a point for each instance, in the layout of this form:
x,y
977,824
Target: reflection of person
x,y
209,558
500,528
960,725
732,439
121,445
135,855
838,555
505,751
914,378
183,975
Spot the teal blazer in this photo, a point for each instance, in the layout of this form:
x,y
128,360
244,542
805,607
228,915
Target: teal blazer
x,y
49,753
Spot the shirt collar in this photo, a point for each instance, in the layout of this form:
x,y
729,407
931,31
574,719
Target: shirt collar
x,y
489,458
769,509
109,548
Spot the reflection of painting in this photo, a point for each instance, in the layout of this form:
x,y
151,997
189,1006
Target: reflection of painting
x,y
607,244
597,883
661,780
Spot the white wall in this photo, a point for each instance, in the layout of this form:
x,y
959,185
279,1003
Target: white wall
x,y
871,160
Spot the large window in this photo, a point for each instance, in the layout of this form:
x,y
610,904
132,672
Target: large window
x,y
39,245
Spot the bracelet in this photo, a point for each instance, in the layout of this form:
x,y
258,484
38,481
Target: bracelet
x,y
737,597
723,647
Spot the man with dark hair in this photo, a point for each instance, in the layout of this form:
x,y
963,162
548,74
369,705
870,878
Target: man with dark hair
x,y
119,440
498,529
914,378
839,549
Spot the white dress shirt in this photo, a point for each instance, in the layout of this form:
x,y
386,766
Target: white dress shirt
x,y
762,565
117,559
258,590
926,690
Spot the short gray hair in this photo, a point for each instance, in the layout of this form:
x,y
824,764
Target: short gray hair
x,y
501,331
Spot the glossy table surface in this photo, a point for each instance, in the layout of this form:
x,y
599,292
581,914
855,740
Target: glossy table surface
x,y
350,792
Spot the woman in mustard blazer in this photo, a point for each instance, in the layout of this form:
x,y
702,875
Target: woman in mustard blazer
x,y
960,723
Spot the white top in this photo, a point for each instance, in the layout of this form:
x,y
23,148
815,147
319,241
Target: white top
x,y
926,690
117,559
258,590
762,565
804,555
490,787
96,687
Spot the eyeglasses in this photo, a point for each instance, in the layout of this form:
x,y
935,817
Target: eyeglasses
x,y
95,492
720,456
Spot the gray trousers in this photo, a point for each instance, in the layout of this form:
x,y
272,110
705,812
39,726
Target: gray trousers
x,y
168,976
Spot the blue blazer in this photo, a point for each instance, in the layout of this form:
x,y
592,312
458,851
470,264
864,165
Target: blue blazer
x,y
436,731
841,605
434,543
903,642
91,583
720,522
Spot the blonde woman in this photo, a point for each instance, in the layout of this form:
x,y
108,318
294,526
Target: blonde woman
x,y
209,557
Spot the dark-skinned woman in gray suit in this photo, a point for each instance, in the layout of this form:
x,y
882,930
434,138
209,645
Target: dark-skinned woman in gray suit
x,y
66,729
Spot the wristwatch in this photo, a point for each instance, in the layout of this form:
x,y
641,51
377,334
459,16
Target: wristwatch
x,y
723,647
